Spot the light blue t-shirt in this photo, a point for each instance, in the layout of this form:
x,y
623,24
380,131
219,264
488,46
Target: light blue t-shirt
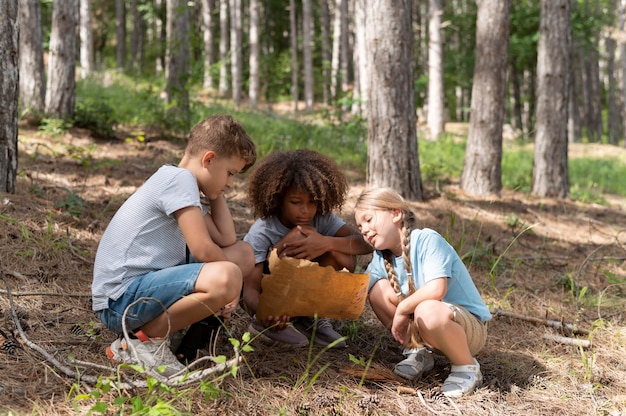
x,y
265,232
144,235
432,258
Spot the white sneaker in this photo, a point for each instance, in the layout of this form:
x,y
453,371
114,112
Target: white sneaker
x,y
153,353
417,362
463,379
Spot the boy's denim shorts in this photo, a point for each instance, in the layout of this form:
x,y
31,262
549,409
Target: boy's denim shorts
x,y
165,287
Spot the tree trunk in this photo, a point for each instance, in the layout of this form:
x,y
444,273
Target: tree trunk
x,y
482,172
293,37
622,48
435,70
254,88
574,134
177,61
32,84
392,153
208,8
223,83
326,50
86,39
160,34
9,91
336,55
61,92
550,169
235,50
611,99
137,38
361,70
120,33
344,61
307,52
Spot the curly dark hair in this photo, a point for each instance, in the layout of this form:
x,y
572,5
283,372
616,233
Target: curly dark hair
x,y
303,169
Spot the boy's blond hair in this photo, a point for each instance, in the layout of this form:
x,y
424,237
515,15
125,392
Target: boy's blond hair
x,y
225,136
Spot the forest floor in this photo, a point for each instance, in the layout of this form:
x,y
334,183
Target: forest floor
x,y
559,266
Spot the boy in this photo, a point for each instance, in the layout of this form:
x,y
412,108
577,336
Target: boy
x,y
162,244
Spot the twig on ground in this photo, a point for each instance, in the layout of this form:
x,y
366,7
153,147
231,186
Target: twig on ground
x,y
568,341
556,324
71,295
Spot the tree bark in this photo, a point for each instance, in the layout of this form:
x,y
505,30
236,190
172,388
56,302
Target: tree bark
x,y
236,66
32,83
293,38
336,53
9,91
86,39
254,87
307,52
61,91
137,38
392,153
120,33
435,70
614,121
326,50
361,70
224,62
177,61
550,176
208,8
482,171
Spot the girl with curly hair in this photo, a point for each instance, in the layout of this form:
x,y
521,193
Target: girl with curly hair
x,y
421,290
293,194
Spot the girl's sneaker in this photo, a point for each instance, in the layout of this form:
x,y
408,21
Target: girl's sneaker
x,y
289,336
417,362
463,379
320,331
151,353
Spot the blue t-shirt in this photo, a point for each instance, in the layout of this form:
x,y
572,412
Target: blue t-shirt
x,y
433,258
265,232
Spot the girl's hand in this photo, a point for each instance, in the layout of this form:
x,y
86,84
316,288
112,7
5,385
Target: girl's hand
x,y
400,327
276,322
310,247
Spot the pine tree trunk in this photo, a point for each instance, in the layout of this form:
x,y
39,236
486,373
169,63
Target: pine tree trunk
x,y
120,33
307,52
137,38
482,172
336,53
235,50
613,111
360,67
86,39
293,37
32,84
177,61
254,88
326,50
160,35
9,91
622,48
550,176
392,154
61,91
435,70
208,8
224,63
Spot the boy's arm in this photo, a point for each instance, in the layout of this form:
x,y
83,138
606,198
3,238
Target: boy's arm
x,y
220,223
194,229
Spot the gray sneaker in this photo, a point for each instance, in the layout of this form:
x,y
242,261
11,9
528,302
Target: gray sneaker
x,y
320,331
463,380
153,354
289,336
417,362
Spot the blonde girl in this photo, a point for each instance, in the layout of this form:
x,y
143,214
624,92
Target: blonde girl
x,y
421,290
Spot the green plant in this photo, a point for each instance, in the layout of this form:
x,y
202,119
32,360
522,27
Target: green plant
x,y
95,114
72,205
54,126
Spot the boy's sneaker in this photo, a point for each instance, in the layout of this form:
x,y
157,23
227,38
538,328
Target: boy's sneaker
x,y
320,331
287,336
150,353
417,362
463,379
197,337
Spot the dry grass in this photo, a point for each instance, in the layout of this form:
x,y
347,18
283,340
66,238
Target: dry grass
x,y
570,266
